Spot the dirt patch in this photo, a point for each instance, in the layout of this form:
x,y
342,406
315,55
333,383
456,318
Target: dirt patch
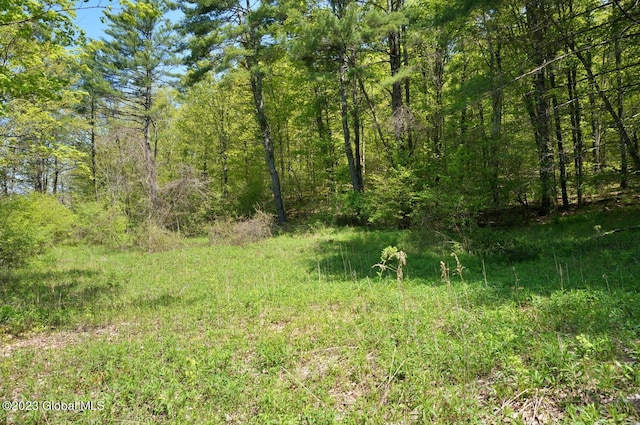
x,y
55,340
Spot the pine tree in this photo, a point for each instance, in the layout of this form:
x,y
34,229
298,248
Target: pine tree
x,y
136,60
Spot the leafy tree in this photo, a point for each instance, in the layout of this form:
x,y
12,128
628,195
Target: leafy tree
x,y
136,60
224,33
34,36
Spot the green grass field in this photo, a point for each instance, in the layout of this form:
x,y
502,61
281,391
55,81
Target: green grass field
x,y
534,325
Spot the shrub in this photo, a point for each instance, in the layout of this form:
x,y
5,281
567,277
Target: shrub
x,y
392,198
152,237
101,225
240,232
187,204
29,224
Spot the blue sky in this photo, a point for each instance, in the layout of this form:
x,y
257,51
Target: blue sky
x,y
88,16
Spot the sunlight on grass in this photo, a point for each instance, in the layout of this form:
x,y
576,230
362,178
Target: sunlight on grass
x,y
300,329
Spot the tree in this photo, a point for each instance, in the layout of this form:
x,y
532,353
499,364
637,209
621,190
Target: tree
x,y
34,37
329,41
37,144
228,32
136,61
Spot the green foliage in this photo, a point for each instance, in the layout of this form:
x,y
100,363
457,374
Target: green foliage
x,y
393,198
31,70
29,225
352,209
101,224
250,195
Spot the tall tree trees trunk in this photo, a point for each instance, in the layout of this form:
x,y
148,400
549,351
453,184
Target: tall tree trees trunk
x,y
344,114
92,130
395,62
620,100
576,129
438,116
562,160
595,118
265,131
148,155
325,135
537,24
359,158
497,96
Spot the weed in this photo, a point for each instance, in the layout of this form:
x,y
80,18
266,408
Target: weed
x,y
397,257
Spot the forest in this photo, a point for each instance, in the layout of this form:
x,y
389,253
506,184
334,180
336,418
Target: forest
x,y
319,212
386,114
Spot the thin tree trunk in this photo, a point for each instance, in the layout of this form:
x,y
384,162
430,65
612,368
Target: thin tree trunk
x,y
407,87
263,123
539,106
576,130
56,175
438,118
324,132
92,124
562,161
623,149
356,134
344,113
497,96
148,154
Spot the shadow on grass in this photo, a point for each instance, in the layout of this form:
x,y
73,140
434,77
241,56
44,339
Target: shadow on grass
x,y
158,301
354,257
50,299
578,278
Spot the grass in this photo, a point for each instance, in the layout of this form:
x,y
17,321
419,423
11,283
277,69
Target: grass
x,y
541,326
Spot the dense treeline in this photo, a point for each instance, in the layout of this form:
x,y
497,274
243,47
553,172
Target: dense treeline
x,y
391,113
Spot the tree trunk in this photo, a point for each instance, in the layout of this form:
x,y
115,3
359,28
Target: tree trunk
x,y
596,123
539,106
324,133
356,139
92,124
497,96
562,161
344,113
148,152
395,63
623,149
576,129
263,123
438,118
625,139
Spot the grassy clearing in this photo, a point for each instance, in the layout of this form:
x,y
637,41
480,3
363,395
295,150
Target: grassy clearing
x,y
541,324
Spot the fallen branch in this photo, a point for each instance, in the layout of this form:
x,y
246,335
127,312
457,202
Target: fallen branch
x,y
610,232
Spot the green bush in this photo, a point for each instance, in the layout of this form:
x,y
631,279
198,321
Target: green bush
x,y
153,237
392,199
101,225
29,224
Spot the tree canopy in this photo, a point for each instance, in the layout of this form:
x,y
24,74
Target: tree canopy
x,y
391,113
